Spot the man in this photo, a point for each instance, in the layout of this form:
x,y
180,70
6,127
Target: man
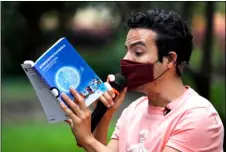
x,y
171,117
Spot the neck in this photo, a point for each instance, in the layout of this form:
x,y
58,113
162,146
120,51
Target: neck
x,y
166,91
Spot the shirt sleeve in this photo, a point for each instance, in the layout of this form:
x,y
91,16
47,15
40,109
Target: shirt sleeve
x,y
199,130
119,124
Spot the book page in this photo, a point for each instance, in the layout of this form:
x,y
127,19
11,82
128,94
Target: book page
x,y
49,103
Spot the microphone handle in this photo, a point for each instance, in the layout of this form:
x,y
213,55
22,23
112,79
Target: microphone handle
x,y
97,115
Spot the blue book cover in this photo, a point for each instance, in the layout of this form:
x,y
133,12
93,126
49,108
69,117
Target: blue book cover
x,y
61,67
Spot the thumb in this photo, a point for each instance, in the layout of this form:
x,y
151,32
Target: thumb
x,y
110,78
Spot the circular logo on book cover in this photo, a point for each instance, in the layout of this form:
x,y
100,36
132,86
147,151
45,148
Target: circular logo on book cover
x,y
66,77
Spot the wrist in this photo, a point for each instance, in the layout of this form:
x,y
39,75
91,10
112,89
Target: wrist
x,y
90,144
85,142
90,141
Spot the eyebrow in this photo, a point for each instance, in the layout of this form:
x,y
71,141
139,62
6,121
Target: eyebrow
x,y
137,43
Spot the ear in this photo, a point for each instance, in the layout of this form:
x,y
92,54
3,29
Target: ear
x,y
172,58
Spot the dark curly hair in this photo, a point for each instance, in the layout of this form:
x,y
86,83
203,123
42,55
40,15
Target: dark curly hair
x,y
172,33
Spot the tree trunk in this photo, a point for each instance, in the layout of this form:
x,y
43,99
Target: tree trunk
x,y
204,81
186,11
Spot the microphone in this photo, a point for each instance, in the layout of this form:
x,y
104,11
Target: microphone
x,y
118,85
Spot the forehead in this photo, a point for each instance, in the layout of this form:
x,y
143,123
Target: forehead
x,y
140,34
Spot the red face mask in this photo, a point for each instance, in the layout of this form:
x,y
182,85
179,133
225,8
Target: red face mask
x,y
137,73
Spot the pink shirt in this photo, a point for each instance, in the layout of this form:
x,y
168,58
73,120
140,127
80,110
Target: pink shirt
x,y
192,125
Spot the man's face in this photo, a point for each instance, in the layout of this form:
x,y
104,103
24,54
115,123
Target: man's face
x,y
140,47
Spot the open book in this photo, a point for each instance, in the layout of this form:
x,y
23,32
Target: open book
x,y
58,69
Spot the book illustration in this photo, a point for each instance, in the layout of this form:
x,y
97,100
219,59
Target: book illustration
x,y
92,87
67,77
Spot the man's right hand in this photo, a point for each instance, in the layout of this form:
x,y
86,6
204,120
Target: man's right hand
x,y
108,98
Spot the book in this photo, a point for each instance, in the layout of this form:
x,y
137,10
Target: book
x,y
55,71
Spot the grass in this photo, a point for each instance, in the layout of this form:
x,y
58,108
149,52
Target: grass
x,y
39,137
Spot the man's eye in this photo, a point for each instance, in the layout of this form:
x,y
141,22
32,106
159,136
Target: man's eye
x,y
138,53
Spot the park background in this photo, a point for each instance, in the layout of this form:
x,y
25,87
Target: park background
x,y
96,30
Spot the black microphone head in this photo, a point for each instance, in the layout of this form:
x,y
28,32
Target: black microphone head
x,y
120,82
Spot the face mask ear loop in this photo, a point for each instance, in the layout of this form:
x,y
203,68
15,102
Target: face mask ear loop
x,y
161,74
156,61
175,62
164,71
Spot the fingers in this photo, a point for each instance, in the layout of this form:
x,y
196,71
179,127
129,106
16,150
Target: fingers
x,y
111,93
69,112
104,101
79,99
75,108
108,98
110,90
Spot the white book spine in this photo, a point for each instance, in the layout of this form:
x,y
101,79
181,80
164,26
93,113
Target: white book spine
x,y
48,101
